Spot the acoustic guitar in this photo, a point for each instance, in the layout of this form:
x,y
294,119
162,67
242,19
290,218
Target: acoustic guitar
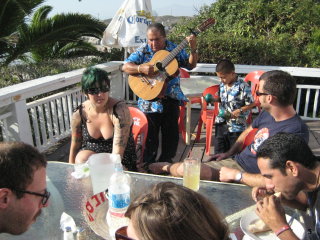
x,y
165,65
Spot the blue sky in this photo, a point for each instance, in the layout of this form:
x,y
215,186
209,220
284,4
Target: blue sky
x,y
104,9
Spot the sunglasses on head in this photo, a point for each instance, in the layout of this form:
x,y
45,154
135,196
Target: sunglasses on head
x,y
94,91
261,93
121,234
45,196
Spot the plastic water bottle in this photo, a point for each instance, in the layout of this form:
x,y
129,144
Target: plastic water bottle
x,y
67,234
119,199
119,191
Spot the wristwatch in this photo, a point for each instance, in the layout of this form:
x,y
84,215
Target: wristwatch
x,y
238,177
241,111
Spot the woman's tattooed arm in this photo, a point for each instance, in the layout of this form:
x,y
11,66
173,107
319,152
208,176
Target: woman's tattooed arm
x,y
76,136
121,124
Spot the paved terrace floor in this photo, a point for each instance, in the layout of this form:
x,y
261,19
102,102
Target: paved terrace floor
x,y
60,152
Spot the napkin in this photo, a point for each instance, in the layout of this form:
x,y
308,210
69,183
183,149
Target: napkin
x,y
81,170
67,221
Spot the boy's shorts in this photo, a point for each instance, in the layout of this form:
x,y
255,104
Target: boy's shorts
x,y
224,139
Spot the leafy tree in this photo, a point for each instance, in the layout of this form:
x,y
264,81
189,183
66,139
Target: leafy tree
x,y
261,32
46,38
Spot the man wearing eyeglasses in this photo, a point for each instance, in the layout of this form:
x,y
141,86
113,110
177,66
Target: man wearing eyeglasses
x,y
23,190
277,92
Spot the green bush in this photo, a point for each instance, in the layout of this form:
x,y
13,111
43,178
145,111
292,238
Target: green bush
x,y
259,32
18,73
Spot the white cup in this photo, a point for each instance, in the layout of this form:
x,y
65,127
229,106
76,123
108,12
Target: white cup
x,y
101,167
191,173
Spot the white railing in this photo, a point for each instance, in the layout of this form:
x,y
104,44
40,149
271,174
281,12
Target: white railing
x,y
310,109
4,125
45,121
51,117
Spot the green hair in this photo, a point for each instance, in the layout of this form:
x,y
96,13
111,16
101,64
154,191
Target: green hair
x,y
93,75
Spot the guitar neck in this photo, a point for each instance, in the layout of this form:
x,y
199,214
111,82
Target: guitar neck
x,y
174,53
184,43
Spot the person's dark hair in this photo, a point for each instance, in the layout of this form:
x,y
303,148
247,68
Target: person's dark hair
x,y
286,146
157,26
225,66
174,212
281,85
93,75
18,162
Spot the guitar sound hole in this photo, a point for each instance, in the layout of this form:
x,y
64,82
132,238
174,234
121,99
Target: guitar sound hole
x,y
159,66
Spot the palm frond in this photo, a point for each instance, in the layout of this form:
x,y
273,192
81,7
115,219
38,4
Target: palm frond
x,y
62,27
40,15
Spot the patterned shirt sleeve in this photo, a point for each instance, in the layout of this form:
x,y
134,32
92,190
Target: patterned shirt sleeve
x,y
247,94
137,57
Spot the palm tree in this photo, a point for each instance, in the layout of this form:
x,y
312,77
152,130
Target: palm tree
x,y
13,14
45,38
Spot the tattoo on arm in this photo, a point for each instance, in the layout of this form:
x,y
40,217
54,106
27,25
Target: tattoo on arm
x,y
76,135
121,127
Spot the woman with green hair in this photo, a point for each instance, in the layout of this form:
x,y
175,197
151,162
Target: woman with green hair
x,y
101,123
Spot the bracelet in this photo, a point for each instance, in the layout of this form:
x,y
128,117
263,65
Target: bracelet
x,y
283,229
139,69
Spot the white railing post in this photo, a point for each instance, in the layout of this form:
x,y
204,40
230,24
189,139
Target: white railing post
x,y
19,122
116,82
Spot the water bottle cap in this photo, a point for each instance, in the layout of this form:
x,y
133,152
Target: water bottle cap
x,y
68,229
118,167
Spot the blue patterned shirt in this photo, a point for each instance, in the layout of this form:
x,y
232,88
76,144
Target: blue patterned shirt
x,y
237,96
143,55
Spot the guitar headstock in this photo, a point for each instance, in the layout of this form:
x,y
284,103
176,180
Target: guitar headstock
x,y
203,26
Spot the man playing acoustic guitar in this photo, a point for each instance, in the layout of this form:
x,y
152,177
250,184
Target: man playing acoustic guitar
x,y
163,111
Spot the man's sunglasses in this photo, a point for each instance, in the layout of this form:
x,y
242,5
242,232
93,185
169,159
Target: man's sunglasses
x,y
45,196
121,234
94,91
261,93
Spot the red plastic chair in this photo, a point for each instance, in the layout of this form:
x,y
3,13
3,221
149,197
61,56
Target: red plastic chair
x,y
208,116
184,73
253,77
181,120
249,138
139,131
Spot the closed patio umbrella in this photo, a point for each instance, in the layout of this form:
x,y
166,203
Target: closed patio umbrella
x,y
128,27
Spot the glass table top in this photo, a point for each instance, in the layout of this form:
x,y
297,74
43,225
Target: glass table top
x,y
70,195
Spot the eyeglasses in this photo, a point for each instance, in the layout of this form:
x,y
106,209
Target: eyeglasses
x,y
261,93
121,234
45,196
94,91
